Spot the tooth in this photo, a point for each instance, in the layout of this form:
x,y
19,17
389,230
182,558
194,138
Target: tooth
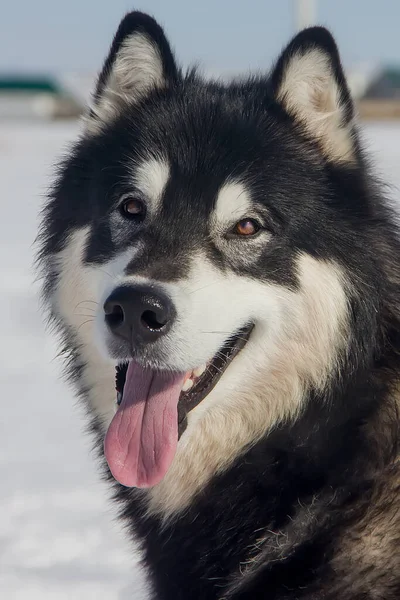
x,y
199,371
187,385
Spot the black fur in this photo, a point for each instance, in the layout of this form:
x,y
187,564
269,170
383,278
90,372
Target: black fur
x,y
272,526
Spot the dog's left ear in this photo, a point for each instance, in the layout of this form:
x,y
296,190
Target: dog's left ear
x,y
140,61
308,81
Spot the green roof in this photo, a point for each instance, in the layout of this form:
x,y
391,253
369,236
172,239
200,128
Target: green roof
x,y
28,84
393,75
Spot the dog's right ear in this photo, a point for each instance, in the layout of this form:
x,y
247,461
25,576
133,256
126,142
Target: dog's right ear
x,y
140,60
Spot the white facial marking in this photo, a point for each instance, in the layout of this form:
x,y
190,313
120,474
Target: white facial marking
x,y
233,203
296,342
151,177
76,301
297,339
79,298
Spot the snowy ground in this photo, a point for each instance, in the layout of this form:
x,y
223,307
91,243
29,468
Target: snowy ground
x,y
58,539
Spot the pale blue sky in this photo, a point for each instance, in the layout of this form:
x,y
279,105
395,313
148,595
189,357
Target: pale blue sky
x,y
52,35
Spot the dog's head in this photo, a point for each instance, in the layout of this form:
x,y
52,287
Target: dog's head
x,y
195,238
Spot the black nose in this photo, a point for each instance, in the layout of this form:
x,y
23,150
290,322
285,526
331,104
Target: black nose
x,y
139,314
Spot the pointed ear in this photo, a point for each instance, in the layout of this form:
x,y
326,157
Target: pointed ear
x,y
309,82
140,60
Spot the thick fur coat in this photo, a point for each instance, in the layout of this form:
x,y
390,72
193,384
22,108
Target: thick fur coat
x,y
242,205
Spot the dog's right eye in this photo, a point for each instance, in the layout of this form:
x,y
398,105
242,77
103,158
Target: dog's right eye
x,y
132,208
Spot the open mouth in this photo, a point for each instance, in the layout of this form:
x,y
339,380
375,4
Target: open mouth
x,y
142,438
199,382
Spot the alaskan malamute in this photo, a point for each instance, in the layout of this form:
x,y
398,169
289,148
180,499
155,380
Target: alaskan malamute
x,y
225,274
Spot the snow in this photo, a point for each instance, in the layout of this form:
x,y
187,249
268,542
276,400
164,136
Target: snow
x,y
58,534
58,537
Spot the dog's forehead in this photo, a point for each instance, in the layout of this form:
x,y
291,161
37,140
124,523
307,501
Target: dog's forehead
x,y
162,187
193,158
195,145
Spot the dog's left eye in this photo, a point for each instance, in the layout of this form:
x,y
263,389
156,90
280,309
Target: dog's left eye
x,y
132,208
246,228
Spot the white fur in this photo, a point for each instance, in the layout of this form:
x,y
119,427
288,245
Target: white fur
x,y
296,341
136,70
297,338
310,93
151,177
80,294
76,301
233,204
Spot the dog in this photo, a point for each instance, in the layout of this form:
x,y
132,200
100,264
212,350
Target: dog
x,y
223,268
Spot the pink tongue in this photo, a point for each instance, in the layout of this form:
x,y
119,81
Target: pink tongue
x,y
142,437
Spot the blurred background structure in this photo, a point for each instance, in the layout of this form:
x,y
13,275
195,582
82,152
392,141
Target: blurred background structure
x,y
50,52
58,535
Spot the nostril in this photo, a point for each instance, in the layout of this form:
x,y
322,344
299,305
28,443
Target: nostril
x,y
114,315
150,320
138,314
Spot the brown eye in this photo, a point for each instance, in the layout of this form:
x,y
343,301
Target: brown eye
x,y
133,208
246,227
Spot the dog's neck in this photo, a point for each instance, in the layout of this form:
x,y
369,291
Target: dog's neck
x,y
291,483
324,438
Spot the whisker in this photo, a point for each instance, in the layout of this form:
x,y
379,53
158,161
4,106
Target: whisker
x,y
224,332
85,323
204,287
87,302
104,271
